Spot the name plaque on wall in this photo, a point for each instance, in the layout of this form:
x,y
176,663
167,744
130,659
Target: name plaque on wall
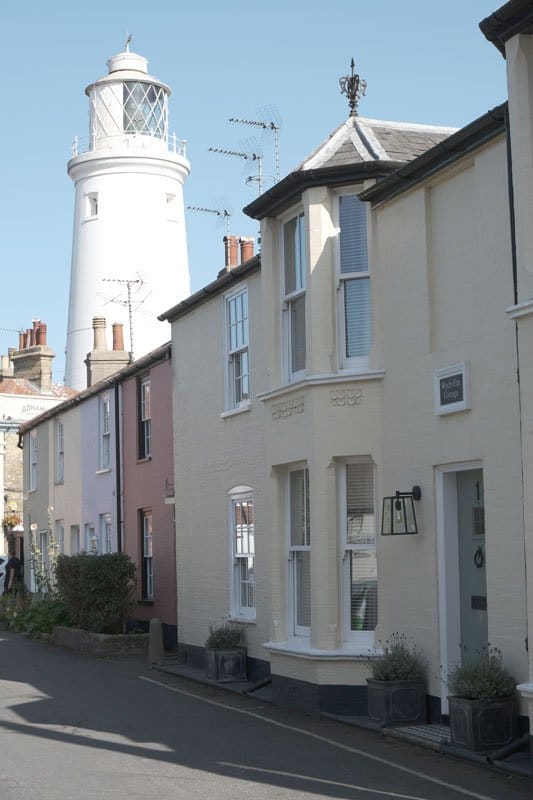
x,y
451,389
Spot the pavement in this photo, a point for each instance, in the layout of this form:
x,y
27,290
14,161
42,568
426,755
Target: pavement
x,y
433,736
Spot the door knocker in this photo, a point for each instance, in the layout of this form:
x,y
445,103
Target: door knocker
x,y
479,557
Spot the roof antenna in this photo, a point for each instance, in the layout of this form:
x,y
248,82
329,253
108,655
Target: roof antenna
x,y
250,152
128,40
222,214
354,87
271,121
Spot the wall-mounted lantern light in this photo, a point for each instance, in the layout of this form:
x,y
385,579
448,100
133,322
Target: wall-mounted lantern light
x,y
398,516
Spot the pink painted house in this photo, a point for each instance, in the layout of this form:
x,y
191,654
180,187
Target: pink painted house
x,y
148,488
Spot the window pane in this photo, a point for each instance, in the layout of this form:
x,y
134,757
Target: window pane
x,y
290,255
363,591
360,527
358,317
247,582
297,321
303,589
353,238
299,508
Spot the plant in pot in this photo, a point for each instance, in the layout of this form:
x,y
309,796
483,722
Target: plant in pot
x,y
226,653
396,692
483,703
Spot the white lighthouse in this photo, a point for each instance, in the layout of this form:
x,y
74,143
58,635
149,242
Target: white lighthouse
x,y
129,249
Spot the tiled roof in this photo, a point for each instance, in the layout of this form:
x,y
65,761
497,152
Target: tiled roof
x,y
22,386
359,139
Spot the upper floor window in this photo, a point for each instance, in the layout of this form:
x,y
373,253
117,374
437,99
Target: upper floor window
x,y
299,546
33,460
238,370
358,551
59,451
104,412
294,286
355,312
145,418
243,551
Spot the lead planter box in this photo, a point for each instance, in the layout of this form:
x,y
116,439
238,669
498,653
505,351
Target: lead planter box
x,y
226,665
483,725
396,702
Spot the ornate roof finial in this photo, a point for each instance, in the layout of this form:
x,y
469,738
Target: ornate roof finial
x,y
128,40
354,87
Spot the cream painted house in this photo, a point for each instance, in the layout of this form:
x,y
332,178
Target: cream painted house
x,y
362,381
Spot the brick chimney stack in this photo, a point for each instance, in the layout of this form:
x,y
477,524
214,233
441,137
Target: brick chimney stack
x,y
101,362
247,248
232,245
232,251
33,359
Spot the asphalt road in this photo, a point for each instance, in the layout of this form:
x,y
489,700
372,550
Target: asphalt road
x,y
74,727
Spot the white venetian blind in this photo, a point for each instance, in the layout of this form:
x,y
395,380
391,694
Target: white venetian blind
x,y
354,276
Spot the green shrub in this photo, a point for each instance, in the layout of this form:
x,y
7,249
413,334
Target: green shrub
x,y
13,608
400,661
43,614
98,591
225,637
481,677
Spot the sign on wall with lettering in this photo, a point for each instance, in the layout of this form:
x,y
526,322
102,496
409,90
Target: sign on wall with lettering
x,y
451,389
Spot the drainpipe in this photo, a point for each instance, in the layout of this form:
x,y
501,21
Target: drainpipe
x,y
118,487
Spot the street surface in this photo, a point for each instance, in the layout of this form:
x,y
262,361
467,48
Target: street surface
x,y
75,727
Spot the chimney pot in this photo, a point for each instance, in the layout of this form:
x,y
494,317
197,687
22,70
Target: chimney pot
x,y
21,340
99,333
231,248
247,248
118,336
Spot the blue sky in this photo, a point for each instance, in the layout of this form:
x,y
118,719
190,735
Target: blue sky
x,y
424,62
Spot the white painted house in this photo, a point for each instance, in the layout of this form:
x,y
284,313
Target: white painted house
x,y
129,249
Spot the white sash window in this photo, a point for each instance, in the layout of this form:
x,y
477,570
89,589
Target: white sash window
x,y
355,310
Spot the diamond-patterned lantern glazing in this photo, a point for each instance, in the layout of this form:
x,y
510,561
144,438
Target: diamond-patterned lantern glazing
x,y
144,109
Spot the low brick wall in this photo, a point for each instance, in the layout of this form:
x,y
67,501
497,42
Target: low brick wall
x,y
100,644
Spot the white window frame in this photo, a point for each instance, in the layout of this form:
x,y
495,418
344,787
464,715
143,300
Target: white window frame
x,y
60,535
292,555
60,451
74,539
104,426
240,494
350,363
105,533
145,418
288,298
234,354
147,553
92,545
361,639
33,461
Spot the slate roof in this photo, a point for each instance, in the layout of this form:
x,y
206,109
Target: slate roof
x,y
358,139
358,149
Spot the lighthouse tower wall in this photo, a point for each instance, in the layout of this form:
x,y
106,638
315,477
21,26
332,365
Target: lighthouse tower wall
x,y
129,252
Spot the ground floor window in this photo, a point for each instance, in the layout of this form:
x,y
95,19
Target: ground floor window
x,y
243,552
147,566
358,551
299,551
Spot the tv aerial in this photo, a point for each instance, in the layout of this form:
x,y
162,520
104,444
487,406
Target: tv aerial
x,y
223,214
269,120
131,284
250,151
